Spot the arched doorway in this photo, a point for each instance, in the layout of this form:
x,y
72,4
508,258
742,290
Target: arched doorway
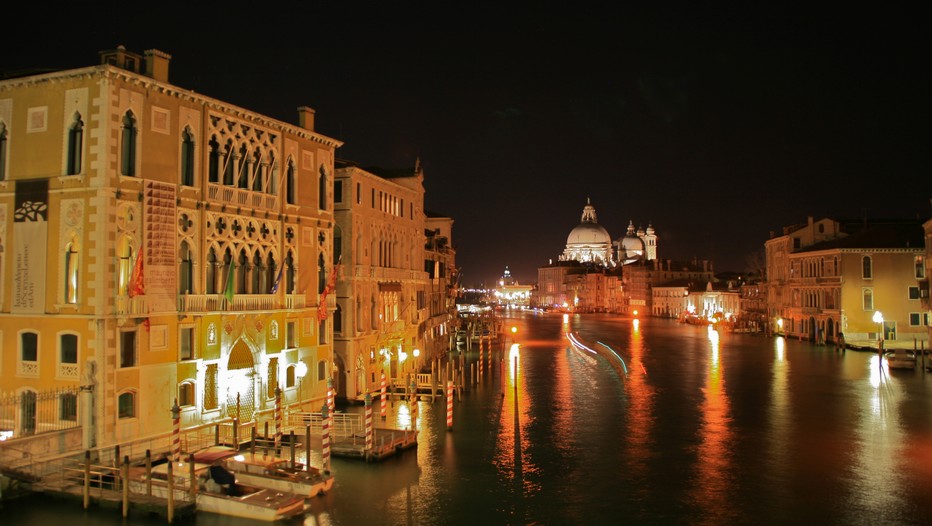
x,y
241,385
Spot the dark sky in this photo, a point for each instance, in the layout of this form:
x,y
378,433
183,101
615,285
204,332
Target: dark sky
x,y
714,126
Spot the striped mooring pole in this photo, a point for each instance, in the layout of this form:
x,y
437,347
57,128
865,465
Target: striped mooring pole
x,y
330,394
176,432
325,437
278,417
384,396
449,404
368,421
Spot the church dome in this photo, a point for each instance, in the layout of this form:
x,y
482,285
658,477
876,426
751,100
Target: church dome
x,y
588,234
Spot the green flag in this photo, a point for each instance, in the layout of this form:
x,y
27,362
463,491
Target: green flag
x,y
228,288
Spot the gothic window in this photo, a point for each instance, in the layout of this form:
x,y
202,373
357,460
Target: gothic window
x,y
75,145
290,190
213,167
128,145
866,267
228,165
211,278
244,164
322,190
321,274
258,182
273,176
272,275
187,158
185,269
289,273
257,279
71,273
243,264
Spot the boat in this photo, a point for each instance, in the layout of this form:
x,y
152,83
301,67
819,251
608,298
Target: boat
x,y
268,471
218,491
900,359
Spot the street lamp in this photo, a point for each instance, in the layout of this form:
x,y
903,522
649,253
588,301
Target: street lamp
x,y
878,318
300,370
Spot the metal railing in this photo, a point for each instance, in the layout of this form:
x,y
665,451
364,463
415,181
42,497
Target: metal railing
x,y
31,412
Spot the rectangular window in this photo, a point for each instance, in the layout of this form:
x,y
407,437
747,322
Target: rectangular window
x,y
358,194
290,330
338,191
126,405
920,267
69,348
915,319
373,198
867,294
127,348
29,351
322,332
210,387
321,371
186,343
913,293
866,267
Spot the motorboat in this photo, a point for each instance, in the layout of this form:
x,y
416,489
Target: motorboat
x,y
900,359
218,491
268,471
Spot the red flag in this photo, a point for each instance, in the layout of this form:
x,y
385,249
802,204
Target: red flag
x,y
137,286
331,284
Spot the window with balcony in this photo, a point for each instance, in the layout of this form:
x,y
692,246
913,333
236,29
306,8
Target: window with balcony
x,y
68,356
128,145
75,145
867,267
28,353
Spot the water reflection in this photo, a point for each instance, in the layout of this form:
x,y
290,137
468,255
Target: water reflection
x,y
639,414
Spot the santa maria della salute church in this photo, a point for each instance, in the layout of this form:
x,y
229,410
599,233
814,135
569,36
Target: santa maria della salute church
x,y
596,274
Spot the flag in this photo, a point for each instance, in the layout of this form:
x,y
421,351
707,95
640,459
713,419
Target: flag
x,y
277,280
331,284
137,286
228,288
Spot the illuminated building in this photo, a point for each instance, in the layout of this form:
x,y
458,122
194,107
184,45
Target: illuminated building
x,y
510,292
158,245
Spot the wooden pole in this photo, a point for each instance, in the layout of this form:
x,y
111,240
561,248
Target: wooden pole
x,y
149,472
87,479
171,493
191,476
124,474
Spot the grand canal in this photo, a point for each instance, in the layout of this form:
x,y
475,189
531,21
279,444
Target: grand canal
x,y
701,428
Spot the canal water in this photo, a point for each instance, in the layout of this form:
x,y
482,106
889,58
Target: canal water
x,y
694,427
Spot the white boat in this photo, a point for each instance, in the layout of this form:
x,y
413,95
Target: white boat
x,y
268,471
900,359
218,491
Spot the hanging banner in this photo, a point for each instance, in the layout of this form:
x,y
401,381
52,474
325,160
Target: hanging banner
x,y
30,239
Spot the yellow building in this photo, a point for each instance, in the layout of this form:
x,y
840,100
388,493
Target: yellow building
x,y
157,245
394,298
828,277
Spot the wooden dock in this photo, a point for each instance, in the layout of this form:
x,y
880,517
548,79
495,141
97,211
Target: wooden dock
x,y
385,443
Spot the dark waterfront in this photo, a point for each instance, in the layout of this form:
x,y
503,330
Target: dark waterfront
x,y
705,428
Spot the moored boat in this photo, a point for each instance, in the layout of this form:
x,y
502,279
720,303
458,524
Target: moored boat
x,y
218,491
900,359
268,471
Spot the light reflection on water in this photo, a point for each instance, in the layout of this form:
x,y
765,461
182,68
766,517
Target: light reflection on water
x,y
704,428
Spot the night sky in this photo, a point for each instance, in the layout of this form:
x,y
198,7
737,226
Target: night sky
x,y
716,127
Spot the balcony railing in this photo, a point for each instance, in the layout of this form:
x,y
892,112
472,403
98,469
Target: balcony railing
x,y
241,197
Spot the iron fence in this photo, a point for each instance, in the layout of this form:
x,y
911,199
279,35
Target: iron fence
x,y
31,412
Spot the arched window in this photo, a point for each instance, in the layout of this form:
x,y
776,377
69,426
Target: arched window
x,y
273,275
289,273
128,146
290,376
257,280
185,269
124,265
290,190
187,157
228,164
273,175
337,243
321,274
75,145
244,163
866,267
322,190
213,168
258,182
211,278
71,273
126,405
243,264
186,393
3,148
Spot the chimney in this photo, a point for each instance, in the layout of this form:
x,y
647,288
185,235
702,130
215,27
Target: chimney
x,y
157,64
306,118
